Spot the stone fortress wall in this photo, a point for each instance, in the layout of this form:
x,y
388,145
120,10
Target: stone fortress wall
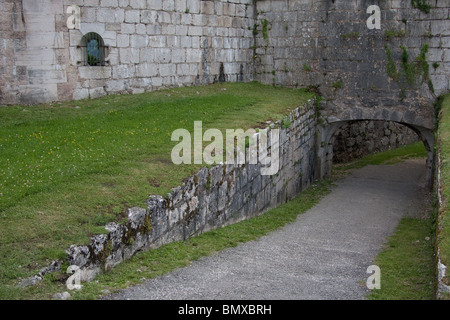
x,y
327,45
150,44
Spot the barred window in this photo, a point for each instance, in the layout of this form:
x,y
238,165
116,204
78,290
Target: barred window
x,y
93,49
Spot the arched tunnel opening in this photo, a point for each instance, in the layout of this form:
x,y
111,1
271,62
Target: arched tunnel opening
x,y
356,139
346,141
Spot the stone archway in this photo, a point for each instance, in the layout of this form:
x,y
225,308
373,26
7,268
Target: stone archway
x,y
416,119
357,139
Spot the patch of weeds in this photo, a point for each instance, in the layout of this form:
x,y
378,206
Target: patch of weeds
x,y
413,73
265,28
285,123
389,34
338,84
255,29
422,5
351,35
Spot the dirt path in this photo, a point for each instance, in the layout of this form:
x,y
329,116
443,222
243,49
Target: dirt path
x,y
323,255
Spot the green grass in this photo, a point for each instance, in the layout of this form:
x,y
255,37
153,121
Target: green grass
x,y
444,150
414,150
68,169
406,263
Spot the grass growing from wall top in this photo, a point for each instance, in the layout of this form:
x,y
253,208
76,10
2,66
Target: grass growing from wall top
x,y
68,169
443,235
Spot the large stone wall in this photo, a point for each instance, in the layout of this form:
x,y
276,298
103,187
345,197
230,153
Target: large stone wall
x,y
326,44
212,198
149,45
34,50
393,73
322,44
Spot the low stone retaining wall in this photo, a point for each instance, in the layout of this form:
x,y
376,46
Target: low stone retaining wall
x,y
441,269
212,198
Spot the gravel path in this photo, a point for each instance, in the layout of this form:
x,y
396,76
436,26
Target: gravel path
x,y
323,255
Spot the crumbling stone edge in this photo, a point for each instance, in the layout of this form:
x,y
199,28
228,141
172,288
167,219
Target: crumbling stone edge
x,y
441,269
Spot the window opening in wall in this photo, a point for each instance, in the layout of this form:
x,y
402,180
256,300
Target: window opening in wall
x,y
93,49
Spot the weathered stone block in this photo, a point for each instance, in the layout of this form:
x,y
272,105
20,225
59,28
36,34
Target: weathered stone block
x,y
110,15
115,85
127,28
96,92
193,6
132,16
87,72
123,71
146,70
168,5
138,4
109,3
139,41
154,4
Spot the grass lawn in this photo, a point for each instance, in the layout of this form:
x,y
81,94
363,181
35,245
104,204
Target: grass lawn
x,y
444,146
67,169
414,150
407,262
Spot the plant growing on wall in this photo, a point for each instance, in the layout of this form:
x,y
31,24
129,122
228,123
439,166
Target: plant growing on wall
x,y
421,5
412,73
265,24
92,60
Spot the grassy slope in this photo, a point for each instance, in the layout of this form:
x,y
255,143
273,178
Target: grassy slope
x,y
406,263
444,148
68,169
